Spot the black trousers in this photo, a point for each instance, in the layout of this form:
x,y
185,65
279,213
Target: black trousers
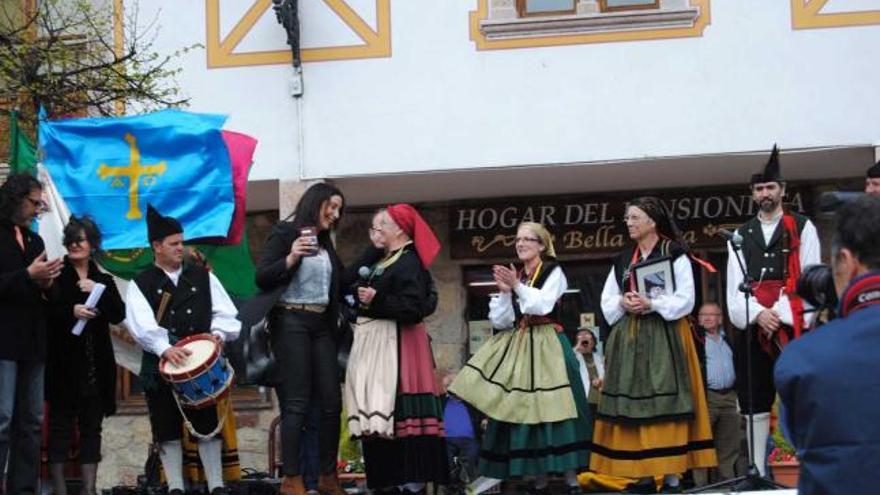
x,y
88,415
166,420
306,356
763,389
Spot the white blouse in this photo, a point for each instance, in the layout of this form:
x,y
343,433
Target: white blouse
x,y
532,300
669,306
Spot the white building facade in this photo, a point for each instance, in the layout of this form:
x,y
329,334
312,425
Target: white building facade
x,y
486,112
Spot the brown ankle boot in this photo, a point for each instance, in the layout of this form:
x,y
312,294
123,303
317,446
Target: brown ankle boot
x,y
328,484
292,485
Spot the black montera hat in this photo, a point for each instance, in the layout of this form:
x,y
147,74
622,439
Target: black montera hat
x,y
159,227
874,172
771,171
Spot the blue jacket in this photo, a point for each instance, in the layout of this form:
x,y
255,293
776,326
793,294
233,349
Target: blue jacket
x,y
829,383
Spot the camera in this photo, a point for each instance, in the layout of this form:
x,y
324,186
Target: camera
x,y
816,286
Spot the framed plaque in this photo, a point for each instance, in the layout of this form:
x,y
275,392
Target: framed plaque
x,y
655,277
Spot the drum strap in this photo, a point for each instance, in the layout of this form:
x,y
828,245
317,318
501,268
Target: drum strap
x,y
192,430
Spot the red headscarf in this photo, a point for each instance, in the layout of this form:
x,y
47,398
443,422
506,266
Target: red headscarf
x,y
408,219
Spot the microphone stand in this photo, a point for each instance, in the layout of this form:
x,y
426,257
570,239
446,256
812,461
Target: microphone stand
x,y
752,480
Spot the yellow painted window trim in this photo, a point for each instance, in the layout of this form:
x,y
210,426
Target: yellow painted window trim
x,y
222,52
807,14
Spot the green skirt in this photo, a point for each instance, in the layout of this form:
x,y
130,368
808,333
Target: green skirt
x,y
646,378
510,449
518,376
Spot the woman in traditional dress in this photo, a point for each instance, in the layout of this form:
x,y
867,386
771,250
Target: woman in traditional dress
x,y
80,368
526,379
300,273
391,395
652,416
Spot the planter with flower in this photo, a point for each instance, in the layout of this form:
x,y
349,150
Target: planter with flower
x,y
783,461
351,472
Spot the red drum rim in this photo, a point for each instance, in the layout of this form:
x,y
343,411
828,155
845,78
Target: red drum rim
x,y
198,370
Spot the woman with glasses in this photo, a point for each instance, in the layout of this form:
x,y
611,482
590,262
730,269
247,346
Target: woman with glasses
x,y
391,395
526,377
652,418
80,368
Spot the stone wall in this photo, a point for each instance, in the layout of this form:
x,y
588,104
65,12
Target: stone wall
x,y
126,443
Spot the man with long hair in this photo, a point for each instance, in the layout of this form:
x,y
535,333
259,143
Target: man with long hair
x,y
25,276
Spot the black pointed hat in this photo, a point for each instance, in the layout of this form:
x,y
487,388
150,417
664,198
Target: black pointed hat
x,y
771,171
874,172
159,227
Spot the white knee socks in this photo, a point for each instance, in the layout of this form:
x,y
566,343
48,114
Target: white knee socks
x,y
171,454
761,422
210,452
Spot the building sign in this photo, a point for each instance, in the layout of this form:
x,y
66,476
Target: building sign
x,y
593,224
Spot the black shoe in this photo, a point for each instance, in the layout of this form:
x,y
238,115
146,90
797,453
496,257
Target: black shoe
x,y
175,491
221,490
640,487
539,491
573,490
671,489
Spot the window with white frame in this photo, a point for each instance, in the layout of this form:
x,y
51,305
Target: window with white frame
x,y
529,18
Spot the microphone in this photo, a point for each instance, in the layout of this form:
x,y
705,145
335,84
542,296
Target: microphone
x,y
832,200
364,274
732,237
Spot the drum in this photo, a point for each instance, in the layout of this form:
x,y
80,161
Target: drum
x,y
204,379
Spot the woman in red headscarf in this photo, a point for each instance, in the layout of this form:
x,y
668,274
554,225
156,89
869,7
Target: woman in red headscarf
x,y
391,396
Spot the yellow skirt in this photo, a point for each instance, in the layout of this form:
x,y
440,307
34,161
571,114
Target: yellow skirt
x,y
636,451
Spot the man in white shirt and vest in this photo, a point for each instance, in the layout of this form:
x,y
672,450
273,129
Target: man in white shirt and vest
x,y
776,245
197,304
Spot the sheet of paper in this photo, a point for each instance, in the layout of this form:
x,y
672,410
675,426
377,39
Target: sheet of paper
x,y
91,301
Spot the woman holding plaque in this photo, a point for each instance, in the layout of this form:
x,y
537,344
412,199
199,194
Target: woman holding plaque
x,y
652,417
80,368
300,271
525,379
391,394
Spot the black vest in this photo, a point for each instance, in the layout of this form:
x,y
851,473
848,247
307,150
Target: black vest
x,y
547,268
770,256
187,313
623,260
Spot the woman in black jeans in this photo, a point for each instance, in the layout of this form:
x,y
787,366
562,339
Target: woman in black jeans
x,y
300,265
80,369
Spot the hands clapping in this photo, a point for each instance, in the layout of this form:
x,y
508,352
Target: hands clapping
x,y
505,277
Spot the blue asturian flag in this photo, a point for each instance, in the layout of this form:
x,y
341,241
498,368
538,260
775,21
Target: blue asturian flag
x,y
110,168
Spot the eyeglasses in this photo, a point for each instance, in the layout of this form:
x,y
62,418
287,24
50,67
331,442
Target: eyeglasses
x,y
37,203
527,239
709,314
78,240
375,229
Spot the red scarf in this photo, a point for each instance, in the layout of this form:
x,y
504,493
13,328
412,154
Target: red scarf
x,y
408,219
794,273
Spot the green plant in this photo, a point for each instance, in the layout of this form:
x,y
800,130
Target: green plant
x,y
783,450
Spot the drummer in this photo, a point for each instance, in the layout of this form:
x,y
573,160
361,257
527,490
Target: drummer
x,y
195,302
